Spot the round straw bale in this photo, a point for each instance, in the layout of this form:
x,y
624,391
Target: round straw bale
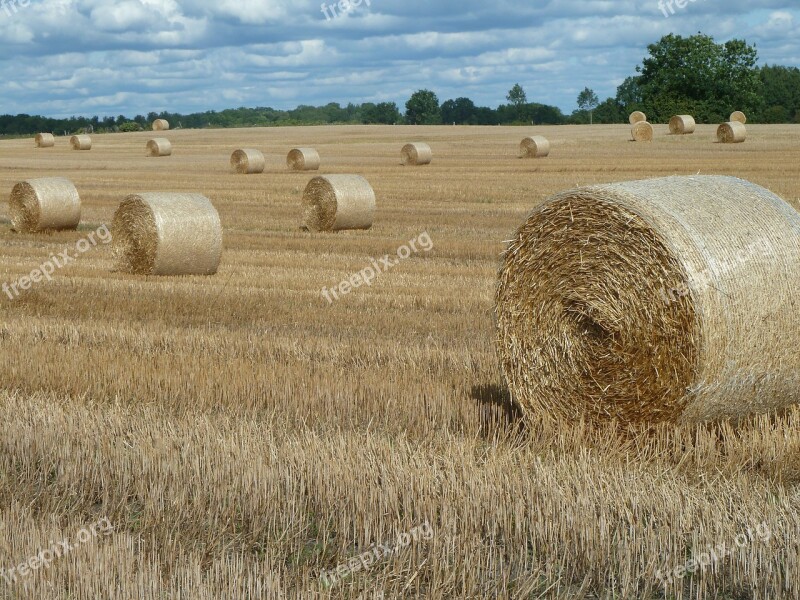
x,y
81,142
160,125
45,140
642,132
732,132
247,161
534,147
682,125
159,147
739,117
670,299
49,203
167,234
337,202
416,154
303,159
637,117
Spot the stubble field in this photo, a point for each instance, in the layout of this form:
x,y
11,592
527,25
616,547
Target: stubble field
x,y
242,434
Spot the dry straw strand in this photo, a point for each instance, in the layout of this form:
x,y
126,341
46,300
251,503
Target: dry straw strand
x,y
50,203
247,161
303,159
637,117
160,125
732,132
44,140
535,146
416,154
159,147
338,202
642,132
646,301
682,125
167,234
81,142
739,117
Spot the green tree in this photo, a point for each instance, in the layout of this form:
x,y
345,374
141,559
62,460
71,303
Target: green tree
x,y
698,76
517,96
423,109
458,111
780,94
588,101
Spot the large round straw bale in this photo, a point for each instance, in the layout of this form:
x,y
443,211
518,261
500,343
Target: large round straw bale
x,y
167,234
732,132
160,125
637,117
81,142
682,125
535,146
247,161
303,159
159,147
49,203
44,140
642,132
337,202
663,300
416,153
739,117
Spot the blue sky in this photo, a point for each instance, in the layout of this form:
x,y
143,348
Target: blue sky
x,y
86,57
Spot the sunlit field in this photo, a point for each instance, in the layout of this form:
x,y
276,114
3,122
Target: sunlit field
x,y
242,433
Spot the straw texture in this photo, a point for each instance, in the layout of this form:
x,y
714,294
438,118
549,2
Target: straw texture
x,y
534,147
416,154
642,132
682,125
739,117
731,133
662,300
337,202
50,203
160,125
159,147
247,161
44,140
303,159
80,142
167,234
637,117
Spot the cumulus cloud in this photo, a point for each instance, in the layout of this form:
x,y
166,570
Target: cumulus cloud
x,y
65,57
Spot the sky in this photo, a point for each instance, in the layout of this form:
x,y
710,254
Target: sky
x,y
106,57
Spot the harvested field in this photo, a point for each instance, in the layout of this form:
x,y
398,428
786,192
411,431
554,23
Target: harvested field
x,y
242,434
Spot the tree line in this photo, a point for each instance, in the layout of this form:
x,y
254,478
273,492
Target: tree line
x,y
681,75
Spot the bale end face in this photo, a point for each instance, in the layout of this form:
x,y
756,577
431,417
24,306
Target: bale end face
x,y
247,161
50,203
416,154
642,132
303,159
637,117
739,117
338,202
534,147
